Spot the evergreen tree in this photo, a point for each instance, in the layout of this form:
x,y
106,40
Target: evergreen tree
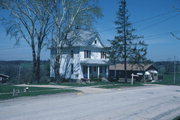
x,y
128,46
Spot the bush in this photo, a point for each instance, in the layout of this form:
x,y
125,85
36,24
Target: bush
x,y
45,79
113,79
96,79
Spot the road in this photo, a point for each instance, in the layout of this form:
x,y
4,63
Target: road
x,y
141,103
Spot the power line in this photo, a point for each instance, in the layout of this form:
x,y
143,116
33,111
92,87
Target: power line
x,y
143,20
146,19
146,37
158,22
153,17
159,34
152,25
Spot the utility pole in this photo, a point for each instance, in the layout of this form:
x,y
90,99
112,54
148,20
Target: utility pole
x,y
174,71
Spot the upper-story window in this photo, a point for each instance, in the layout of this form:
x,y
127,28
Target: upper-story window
x,y
72,68
87,54
72,54
95,41
103,55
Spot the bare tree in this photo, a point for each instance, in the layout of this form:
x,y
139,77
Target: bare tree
x,y
29,21
69,16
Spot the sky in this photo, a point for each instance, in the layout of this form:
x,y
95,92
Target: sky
x,y
153,19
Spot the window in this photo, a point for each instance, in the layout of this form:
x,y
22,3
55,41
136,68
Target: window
x,y
95,41
72,68
103,55
90,69
87,54
94,69
85,69
72,54
101,69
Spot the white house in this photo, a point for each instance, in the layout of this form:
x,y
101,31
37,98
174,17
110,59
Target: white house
x,y
85,59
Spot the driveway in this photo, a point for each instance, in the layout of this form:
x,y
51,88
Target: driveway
x,y
84,90
141,103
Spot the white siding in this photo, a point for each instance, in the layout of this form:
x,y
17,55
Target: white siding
x,y
67,61
66,64
97,43
95,53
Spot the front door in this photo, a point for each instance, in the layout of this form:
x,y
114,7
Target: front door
x,y
94,71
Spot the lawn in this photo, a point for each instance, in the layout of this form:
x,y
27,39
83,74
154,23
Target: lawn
x,y
119,85
102,84
87,84
107,85
6,91
168,79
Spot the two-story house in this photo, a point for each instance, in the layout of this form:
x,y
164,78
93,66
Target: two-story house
x,y
86,58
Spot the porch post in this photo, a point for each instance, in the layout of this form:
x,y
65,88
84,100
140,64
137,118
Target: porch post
x,y
107,71
98,71
88,73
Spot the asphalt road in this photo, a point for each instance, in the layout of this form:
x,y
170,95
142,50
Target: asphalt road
x,y
142,103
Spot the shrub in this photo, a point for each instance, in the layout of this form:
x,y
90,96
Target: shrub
x,y
113,79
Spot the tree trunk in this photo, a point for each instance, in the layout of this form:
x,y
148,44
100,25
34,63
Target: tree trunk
x,y
38,68
38,77
34,65
57,67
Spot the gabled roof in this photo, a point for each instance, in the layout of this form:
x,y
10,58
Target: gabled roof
x,y
5,76
84,38
130,67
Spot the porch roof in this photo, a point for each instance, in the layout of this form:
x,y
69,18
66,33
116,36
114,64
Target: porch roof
x,y
4,76
95,62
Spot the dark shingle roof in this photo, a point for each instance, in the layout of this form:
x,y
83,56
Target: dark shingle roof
x,y
83,38
5,76
130,67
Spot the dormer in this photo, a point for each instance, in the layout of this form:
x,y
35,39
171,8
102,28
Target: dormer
x,y
97,42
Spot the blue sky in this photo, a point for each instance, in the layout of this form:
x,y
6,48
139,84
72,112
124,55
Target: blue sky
x,y
154,19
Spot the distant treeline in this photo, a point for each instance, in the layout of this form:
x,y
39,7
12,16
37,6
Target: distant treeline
x,y
21,71
166,67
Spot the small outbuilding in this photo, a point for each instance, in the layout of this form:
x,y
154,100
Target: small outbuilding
x,y
3,78
144,72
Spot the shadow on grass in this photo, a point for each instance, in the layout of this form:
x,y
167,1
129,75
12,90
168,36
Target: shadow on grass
x,y
6,91
84,84
119,85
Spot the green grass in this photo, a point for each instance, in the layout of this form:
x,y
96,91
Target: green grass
x,y
168,79
33,91
119,85
86,84
101,84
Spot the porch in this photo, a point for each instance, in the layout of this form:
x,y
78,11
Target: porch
x,y
95,71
